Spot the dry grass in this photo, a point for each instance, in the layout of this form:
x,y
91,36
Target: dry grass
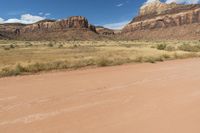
x,y
31,57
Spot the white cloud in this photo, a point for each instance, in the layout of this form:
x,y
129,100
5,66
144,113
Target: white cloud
x,y
1,20
120,5
40,13
150,1
47,14
28,18
13,20
118,25
25,18
184,1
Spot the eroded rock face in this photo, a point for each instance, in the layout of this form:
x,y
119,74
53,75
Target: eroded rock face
x,y
156,7
165,17
76,22
49,29
9,31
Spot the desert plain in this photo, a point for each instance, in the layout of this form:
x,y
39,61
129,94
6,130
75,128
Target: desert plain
x,y
65,87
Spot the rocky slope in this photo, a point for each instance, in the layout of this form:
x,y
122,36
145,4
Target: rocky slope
x,y
76,27
156,7
165,21
77,22
104,31
8,31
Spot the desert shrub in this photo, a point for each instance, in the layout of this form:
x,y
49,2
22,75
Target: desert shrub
x,y
7,72
166,56
84,49
11,71
170,48
127,45
28,44
102,61
12,46
6,48
50,44
19,68
37,67
139,59
175,55
155,59
75,46
184,56
150,60
159,59
60,46
161,46
188,55
189,48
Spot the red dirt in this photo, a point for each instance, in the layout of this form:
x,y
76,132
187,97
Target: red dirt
x,y
142,98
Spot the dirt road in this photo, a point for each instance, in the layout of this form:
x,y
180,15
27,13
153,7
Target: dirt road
x,y
140,98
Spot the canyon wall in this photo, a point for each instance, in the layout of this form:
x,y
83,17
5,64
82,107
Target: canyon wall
x,y
170,18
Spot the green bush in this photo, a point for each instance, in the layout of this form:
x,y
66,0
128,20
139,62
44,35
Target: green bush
x,y
12,46
103,62
161,46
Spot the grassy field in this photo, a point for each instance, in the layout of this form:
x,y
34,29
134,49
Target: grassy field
x,y
17,57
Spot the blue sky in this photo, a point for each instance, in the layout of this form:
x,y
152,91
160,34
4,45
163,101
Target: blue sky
x,y
110,13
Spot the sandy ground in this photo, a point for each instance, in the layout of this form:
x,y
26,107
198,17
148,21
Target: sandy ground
x,y
140,98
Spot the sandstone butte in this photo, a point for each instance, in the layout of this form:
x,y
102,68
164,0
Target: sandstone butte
x,y
159,20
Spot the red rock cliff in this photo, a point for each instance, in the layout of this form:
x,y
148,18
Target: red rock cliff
x,y
164,16
75,22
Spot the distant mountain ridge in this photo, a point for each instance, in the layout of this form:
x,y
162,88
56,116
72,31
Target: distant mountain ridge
x,y
75,27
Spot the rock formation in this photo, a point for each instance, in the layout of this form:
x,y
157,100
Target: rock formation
x,y
76,22
156,7
157,17
76,26
8,31
104,31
